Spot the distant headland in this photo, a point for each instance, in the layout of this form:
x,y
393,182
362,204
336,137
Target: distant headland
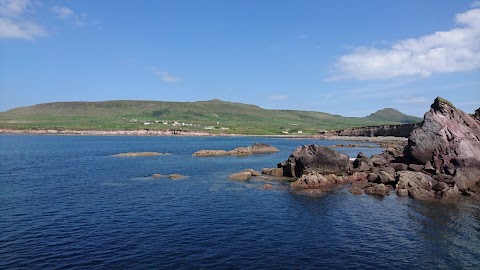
x,y
168,118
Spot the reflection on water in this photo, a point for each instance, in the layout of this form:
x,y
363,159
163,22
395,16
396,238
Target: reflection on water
x,y
448,229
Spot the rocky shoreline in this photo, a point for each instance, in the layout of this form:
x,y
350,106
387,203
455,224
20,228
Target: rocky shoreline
x,y
139,132
440,162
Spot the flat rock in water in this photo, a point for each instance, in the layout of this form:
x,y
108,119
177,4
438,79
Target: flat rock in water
x,y
138,154
176,176
210,153
257,148
241,176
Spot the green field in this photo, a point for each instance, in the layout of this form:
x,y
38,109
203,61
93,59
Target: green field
x,y
236,118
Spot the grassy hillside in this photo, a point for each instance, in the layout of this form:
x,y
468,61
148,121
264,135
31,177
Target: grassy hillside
x,y
232,117
389,114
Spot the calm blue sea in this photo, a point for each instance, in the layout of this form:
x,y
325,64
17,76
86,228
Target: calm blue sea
x,y
66,204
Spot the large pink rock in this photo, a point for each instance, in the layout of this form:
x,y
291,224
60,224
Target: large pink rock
x,y
449,141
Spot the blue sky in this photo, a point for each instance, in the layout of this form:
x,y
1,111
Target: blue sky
x,y
342,57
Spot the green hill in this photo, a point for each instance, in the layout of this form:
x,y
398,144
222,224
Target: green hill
x,y
226,117
389,114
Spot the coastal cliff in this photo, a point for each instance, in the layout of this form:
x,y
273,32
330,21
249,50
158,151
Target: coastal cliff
x,y
402,130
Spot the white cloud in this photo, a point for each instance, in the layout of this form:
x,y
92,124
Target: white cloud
x,y
77,19
412,100
277,97
14,22
14,8
20,29
445,51
63,12
165,76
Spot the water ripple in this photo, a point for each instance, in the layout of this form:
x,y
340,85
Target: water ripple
x,y
65,205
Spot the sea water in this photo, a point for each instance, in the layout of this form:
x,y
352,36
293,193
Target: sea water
x,y
66,203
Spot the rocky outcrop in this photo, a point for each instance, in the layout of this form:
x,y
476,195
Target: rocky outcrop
x,y
262,148
257,148
139,154
313,158
440,162
402,130
447,145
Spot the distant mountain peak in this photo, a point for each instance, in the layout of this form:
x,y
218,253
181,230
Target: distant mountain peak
x,y
393,115
387,111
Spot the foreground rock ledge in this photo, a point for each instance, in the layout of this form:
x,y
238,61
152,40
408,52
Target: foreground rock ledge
x,y
257,148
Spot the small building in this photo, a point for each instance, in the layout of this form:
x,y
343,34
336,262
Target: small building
x,y
299,132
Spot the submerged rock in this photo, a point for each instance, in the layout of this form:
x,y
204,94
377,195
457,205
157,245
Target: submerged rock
x,y
176,176
267,186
